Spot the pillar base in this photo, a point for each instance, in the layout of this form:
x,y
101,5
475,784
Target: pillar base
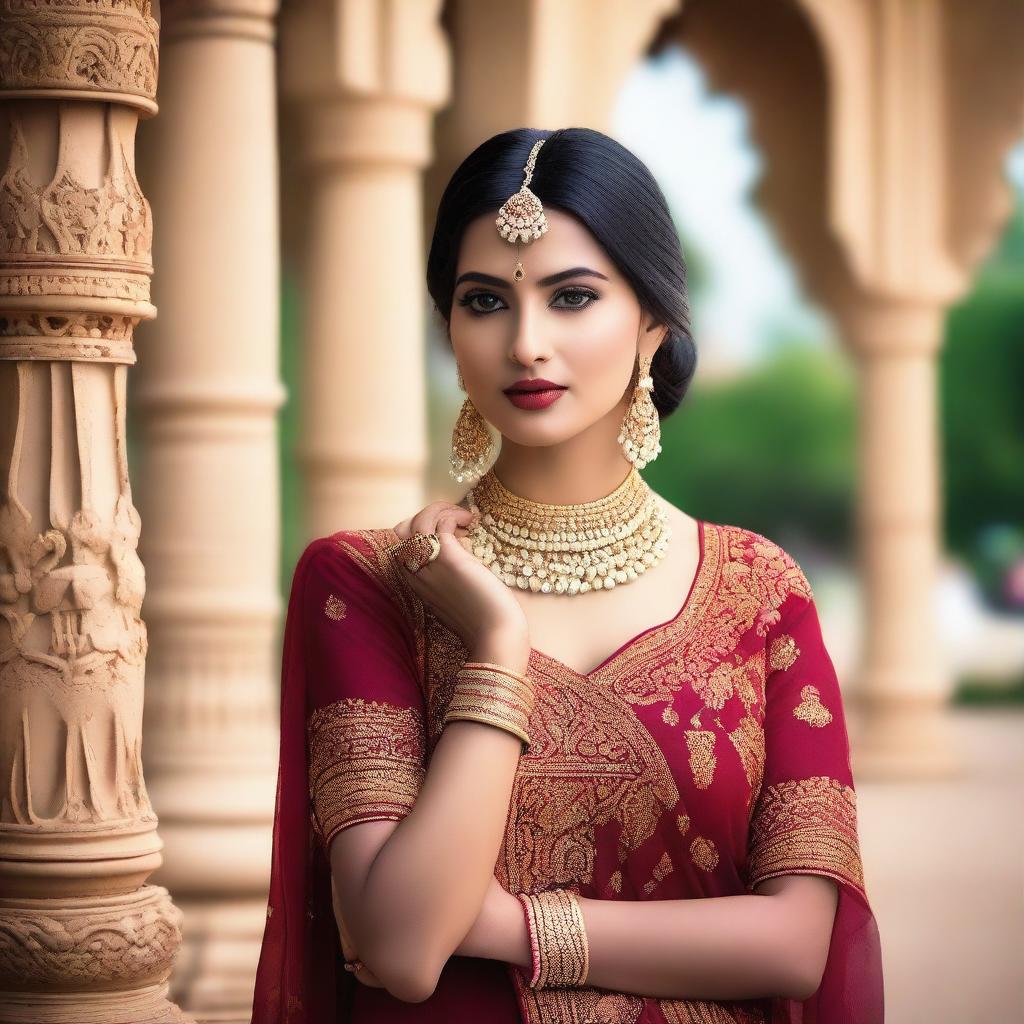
x,y
147,1006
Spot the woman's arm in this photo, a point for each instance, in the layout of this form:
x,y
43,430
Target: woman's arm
x,y
773,942
408,907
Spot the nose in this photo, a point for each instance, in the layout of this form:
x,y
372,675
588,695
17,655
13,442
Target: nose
x,y
527,342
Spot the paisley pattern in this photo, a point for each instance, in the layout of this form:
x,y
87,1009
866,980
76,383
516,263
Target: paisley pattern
x,y
666,773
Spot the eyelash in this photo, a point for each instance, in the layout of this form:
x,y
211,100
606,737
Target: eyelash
x,y
470,296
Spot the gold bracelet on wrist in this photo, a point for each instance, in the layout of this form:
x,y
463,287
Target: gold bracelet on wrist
x,y
495,695
558,938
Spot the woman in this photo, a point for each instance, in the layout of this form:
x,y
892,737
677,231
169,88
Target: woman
x,y
482,814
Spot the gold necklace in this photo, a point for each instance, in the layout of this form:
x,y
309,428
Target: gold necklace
x,y
568,549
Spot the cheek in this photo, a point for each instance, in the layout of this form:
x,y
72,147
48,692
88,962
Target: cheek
x,y
604,348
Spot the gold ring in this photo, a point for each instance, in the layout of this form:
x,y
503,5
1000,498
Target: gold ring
x,y
417,550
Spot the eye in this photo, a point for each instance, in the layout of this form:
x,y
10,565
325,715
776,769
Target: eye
x,y
575,295
469,298
479,302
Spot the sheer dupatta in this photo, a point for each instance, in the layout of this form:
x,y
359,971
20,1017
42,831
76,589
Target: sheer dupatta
x,y
351,750
804,820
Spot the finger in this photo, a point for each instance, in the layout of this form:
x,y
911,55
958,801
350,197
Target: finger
x,y
447,521
425,520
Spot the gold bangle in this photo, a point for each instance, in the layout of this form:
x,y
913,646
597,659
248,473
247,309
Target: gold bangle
x,y
558,939
495,695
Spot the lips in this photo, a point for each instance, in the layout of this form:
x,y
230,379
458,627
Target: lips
x,y
535,399
537,384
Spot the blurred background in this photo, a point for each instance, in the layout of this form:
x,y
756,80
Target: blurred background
x,y
847,177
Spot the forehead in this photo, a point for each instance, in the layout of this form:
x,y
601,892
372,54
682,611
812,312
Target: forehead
x,y
567,243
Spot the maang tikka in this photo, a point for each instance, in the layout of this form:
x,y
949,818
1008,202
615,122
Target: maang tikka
x,y
521,219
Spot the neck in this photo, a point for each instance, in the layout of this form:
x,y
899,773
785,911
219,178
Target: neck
x,y
566,474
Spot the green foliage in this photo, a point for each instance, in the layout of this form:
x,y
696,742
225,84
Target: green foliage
x,y
772,450
982,379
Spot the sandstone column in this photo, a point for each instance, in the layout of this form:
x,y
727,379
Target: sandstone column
x,y
903,680
207,393
884,136
364,81
82,937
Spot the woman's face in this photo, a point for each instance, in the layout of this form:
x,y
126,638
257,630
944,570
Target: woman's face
x,y
574,321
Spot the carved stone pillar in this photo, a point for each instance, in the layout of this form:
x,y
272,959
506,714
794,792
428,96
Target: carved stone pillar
x,y
207,394
82,937
363,81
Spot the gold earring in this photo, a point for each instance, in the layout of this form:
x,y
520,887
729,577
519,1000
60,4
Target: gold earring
x,y
640,435
471,443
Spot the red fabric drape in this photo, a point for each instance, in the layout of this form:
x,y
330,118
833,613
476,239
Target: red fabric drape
x,y
742,669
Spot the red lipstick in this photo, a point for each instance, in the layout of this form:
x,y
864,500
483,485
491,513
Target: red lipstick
x,y
534,393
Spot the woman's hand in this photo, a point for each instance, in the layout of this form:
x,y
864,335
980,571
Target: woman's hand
x,y
364,974
461,591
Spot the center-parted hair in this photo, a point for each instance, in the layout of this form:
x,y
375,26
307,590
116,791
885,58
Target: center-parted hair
x,y
609,190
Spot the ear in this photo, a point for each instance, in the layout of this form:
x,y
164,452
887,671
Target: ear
x,y
654,336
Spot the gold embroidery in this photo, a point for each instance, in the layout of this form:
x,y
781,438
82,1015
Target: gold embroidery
x,y
717,687
806,825
749,679
381,565
661,871
334,608
702,756
704,853
584,1005
810,708
686,1011
748,739
743,582
593,763
784,652
366,763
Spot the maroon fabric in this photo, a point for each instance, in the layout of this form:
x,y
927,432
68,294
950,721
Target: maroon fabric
x,y
706,754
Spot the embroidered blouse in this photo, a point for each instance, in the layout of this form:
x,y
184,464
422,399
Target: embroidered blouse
x,y
705,755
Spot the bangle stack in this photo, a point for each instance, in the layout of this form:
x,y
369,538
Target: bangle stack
x,y
495,695
558,938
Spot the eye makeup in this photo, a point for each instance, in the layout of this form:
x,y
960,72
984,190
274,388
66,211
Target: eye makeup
x,y
576,294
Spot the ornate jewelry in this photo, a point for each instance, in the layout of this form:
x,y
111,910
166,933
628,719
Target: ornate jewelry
x,y
568,549
472,446
558,938
521,217
640,435
495,695
417,550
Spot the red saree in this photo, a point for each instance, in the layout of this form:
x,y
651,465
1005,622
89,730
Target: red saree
x,y
724,761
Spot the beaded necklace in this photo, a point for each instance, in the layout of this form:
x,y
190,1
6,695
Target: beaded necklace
x,y
568,549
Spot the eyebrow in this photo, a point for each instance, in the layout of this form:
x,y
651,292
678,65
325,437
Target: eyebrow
x,y
498,282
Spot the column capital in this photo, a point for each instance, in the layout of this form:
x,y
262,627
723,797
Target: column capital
x,y
372,131
892,327
237,19
332,49
103,50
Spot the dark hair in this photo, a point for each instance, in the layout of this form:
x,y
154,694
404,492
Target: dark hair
x,y
612,193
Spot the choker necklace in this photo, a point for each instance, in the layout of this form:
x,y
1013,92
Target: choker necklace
x,y
568,549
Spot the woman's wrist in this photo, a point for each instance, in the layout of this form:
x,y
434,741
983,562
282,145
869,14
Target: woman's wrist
x,y
507,646
499,931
